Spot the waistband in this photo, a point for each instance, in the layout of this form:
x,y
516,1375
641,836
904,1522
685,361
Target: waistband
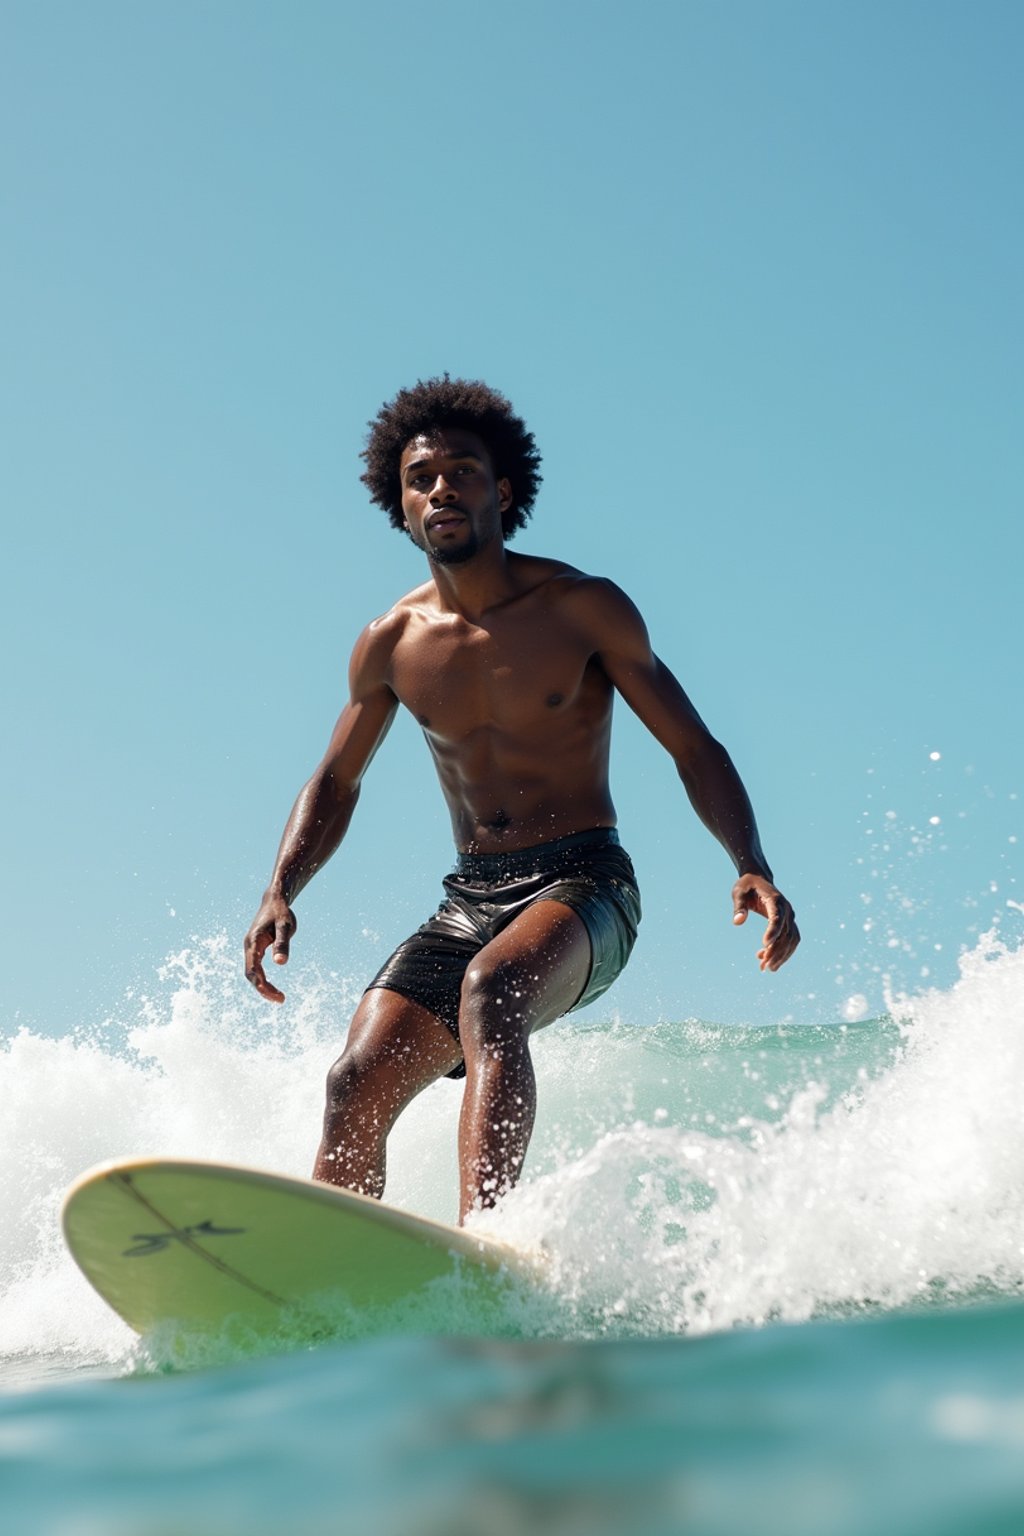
x,y
526,861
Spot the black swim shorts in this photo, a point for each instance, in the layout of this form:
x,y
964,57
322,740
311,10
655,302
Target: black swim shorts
x,y
588,871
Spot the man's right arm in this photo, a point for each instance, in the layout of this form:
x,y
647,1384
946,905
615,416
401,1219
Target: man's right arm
x,y
323,810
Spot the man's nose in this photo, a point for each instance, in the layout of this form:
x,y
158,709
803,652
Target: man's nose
x,y
441,493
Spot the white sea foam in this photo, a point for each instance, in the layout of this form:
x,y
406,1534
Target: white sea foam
x,y
909,1187
682,1177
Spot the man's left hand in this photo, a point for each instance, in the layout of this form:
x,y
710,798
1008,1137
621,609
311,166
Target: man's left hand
x,y
753,893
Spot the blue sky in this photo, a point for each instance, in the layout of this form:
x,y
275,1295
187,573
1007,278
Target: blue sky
x,y
752,274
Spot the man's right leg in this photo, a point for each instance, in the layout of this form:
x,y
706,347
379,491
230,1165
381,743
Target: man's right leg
x,y
395,1049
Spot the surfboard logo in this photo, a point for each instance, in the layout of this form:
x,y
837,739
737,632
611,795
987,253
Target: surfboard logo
x,y
157,1242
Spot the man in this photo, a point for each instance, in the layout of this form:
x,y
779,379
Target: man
x,y
509,663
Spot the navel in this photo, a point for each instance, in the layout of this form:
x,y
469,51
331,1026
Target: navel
x,y
554,699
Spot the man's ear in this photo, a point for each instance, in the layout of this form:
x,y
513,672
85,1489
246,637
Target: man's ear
x,y
504,494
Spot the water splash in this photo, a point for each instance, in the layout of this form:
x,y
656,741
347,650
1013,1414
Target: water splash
x,y
683,1177
907,1187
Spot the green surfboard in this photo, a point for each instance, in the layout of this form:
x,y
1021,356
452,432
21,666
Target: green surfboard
x,y
200,1248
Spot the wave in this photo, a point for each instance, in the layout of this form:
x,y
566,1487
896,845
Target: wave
x,y
683,1176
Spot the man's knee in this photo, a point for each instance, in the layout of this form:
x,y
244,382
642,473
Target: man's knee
x,y
344,1080
494,1011
357,1077
359,1102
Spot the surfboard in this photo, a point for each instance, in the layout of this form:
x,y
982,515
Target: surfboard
x,y
199,1247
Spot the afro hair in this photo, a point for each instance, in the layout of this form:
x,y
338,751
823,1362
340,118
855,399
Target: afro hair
x,y
433,404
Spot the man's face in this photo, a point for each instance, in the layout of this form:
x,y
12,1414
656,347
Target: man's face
x,y
450,496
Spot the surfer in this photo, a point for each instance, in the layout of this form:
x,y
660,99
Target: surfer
x,y
509,663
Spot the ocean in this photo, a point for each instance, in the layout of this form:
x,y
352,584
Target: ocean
x,y
785,1284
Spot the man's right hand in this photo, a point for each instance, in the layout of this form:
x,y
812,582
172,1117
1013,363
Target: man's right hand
x,y
273,924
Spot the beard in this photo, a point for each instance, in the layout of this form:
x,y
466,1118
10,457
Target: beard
x,y
453,556
458,556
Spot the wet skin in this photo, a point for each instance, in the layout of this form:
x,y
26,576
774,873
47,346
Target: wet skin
x,y
510,664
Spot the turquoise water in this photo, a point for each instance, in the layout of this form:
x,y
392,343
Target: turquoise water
x,y
786,1285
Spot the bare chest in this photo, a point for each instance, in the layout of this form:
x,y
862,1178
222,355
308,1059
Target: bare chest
x,y
457,678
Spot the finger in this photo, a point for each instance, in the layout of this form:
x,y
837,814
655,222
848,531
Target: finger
x,y
774,955
772,934
773,951
776,924
770,942
782,918
254,972
282,935
792,939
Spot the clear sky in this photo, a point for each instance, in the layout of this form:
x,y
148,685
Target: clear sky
x,y
751,272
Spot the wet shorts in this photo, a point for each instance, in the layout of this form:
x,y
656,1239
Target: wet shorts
x,y
588,872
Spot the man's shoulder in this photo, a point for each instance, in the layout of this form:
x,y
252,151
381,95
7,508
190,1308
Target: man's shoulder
x,y
565,582
375,646
595,608
581,592
388,627
394,619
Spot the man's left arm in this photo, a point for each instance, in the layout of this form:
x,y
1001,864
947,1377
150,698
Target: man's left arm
x,y
714,787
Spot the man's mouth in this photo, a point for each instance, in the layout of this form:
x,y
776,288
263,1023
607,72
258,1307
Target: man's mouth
x,y
442,520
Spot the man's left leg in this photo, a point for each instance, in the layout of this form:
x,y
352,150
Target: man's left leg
x,y
531,973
